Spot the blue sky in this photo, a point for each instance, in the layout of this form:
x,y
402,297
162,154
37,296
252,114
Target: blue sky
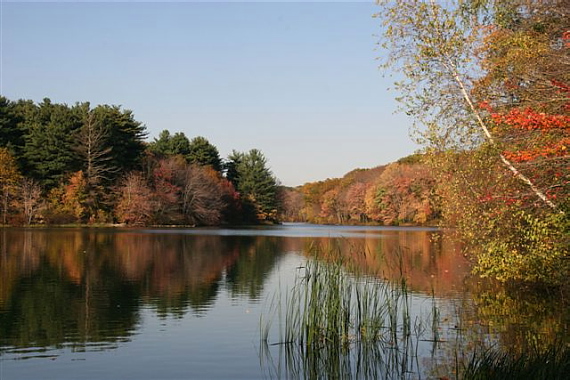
x,y
299,81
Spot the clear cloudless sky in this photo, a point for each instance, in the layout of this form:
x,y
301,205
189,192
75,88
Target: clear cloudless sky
x,y
297,80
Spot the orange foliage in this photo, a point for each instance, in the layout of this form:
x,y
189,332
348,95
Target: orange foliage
x,y
135,204
392,194
559,149
528,119
74,195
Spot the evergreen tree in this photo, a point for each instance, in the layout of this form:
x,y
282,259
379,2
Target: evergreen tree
x,y
204,153
170,145
125,136
161,145
48,153
11,135
255,182
179,144
231,167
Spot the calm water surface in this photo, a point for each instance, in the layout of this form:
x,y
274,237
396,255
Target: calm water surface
x,y
186,303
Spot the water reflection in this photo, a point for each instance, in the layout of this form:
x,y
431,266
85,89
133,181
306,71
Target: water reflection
x,y
88,289
87,285
522,320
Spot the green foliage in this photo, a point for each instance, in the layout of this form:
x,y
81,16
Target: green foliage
x,y
83,163
59,140
197,151
11,135
53,141
48,153
179,144
168,145
201,152
535,254
125,136
255,182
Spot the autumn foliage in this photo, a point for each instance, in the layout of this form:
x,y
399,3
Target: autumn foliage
x,y
394,194
175,192
63,164
501,169
550,134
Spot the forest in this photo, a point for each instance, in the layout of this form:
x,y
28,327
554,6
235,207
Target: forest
x,y
63,164
79,164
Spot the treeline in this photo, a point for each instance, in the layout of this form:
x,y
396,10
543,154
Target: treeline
x,y
399,193
64,164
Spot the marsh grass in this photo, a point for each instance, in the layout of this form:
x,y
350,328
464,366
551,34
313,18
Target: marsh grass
x,y
330,306
337,323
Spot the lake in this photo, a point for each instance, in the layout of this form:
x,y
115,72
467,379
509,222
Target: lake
x,y
179,303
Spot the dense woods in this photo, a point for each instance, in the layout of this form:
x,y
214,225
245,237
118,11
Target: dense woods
x,y
64,164
84,271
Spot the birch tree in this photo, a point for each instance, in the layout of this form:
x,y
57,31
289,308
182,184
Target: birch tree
x,y
436,48
442,53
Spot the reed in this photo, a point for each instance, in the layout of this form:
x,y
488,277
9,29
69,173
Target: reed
x,y
327,306
339,324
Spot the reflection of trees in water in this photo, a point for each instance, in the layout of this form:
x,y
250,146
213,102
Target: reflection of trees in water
x,y
87,285
258,255
513,321
517,320
175,272
46,308
428,261
523,320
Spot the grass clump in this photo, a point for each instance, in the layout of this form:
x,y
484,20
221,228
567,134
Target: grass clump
x,y
334,324
327,306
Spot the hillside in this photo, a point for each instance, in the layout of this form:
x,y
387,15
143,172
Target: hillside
x,y
398,193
